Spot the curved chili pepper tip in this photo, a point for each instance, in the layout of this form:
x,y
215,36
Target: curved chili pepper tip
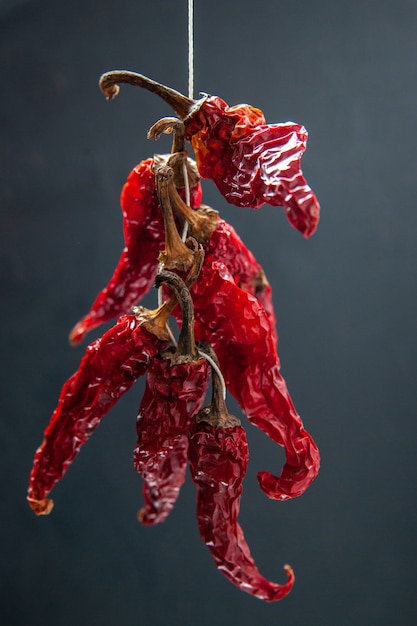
x,y
77,334
250,364
107,371
218,460
41,507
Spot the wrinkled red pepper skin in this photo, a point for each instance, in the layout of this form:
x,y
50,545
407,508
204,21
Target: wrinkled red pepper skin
x,y
251,162
144,236
143,229
173,396
108,369
218,461
239,330
226,246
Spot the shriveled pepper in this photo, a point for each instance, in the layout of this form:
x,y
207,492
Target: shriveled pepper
x,y
253,163
218,455
238,328
226,246
176,384
108,369
223,244
250,162
144,239
145,236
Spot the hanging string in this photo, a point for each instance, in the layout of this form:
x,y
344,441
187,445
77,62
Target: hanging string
x,y
187,183
171,335
184,233
190,48
190,95
216,369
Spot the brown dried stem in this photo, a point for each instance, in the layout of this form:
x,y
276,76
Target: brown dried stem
x,y
203,221
180,103
166,126
186,342
216,412
155,320
176,254
179,155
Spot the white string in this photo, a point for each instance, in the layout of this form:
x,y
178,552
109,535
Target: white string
x,y
171,335
216,369
190,95
185,173
190,48
187,196
185,231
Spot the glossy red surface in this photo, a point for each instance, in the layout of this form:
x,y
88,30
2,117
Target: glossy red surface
x,y
218,462
226,246
143,229
230,307
108,369
173,396
239,330
144,236
253,163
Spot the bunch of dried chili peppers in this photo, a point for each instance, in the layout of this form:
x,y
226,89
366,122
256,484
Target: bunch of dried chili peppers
x,y
218,293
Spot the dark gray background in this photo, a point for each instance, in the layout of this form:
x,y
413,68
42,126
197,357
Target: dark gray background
x,y
345,299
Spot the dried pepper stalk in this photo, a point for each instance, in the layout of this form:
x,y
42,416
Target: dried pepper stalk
x,y
238,328
251,162
108,369
218,455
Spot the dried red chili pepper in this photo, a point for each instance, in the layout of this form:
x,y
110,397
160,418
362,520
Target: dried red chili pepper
x,y
108,369
251,162
226,246
144,238
237,327
223,244
176,384
218,456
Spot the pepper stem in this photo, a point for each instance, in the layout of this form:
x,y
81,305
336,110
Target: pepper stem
x,y
155,320
186,342
166,126
216,413
108,85
203,221
176,254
